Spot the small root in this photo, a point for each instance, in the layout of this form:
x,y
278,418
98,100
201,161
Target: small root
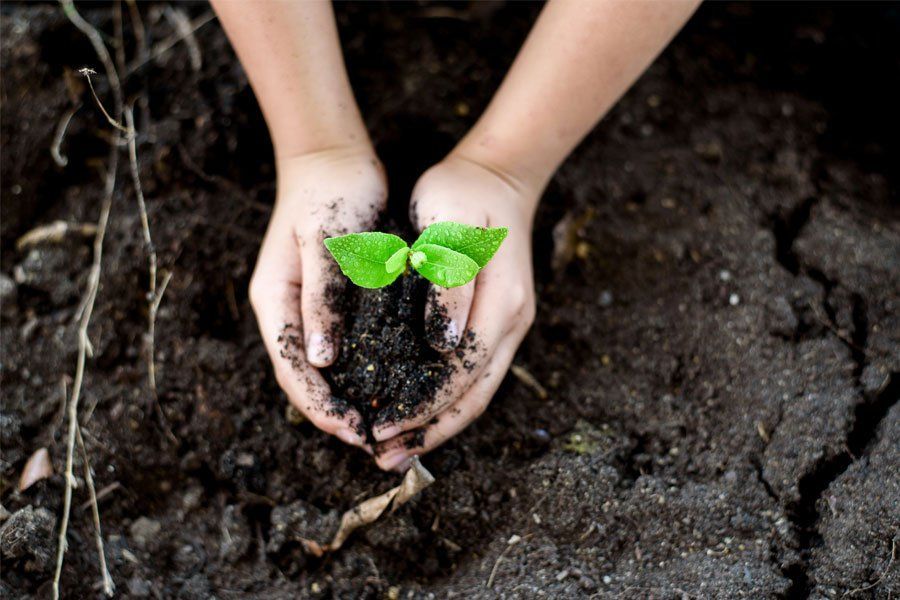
x,y
525,376
182,24
169,43
58,157
54,233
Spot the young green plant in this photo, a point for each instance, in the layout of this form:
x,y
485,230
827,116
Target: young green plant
x,y
447,254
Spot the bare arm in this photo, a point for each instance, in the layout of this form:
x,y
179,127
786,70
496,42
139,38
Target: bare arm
x,y
292,55
329,182
579,59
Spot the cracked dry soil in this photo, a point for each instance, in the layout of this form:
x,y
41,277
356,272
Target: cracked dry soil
x,y
720,354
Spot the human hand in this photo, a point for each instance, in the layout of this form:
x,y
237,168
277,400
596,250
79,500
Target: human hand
x,y
296,283
497,307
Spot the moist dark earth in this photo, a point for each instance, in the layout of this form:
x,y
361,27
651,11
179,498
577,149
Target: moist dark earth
x,y
386,368
717,327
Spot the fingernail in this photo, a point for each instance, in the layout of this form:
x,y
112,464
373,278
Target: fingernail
x,y
349,436
392,461
386,433
318,350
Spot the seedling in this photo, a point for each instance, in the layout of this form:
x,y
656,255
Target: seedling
x,y
447,254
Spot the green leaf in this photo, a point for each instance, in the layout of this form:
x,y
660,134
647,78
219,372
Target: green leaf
x,y
443,266
397,261
478,243
369,259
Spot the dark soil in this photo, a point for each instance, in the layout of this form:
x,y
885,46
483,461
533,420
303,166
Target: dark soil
x,y
386,368
721,353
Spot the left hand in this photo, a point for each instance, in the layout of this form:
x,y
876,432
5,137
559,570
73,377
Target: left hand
x,y
498,307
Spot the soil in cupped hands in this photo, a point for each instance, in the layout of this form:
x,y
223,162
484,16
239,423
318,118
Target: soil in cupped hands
x,y
386,368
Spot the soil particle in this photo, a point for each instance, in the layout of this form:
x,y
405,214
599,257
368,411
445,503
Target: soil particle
x,y
27,540
295,524
144,532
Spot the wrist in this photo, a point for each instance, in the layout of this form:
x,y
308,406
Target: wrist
x,y
356,154
528,185
357,162
300,140
529,177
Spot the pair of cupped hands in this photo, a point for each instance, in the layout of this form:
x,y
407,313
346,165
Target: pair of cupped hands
x,y
343,190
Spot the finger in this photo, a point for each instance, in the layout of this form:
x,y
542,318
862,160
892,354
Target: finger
x,y
322,286
447,314
498,308
395,453
275,293
447,310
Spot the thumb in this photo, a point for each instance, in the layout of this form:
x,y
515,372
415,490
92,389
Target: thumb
x,y
447,314
447,310
319,296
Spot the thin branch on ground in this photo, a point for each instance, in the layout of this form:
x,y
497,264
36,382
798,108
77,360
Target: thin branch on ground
x,y
58,157
112,75
525,376
182,24
118,28
102,493
169,43
154,295
87,75
514,540
93,285
54,233
143,54
142,205
108,586
83,345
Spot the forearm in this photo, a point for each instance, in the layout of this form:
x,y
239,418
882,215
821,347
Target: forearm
x,y
578,60
292,56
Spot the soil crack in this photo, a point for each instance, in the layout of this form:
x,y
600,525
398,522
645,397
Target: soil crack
x,y
805,514
786,229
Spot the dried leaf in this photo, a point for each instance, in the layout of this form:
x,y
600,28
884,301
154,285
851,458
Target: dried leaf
x,y
417,478
38,467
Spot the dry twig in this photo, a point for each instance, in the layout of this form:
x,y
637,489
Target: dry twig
x,y
525,376
54,233
58,157
103,54
87,75
143,54
93,285
169,43
154,295
108,586
182,24
83,345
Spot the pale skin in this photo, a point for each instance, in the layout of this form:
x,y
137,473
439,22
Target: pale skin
x,y
578,60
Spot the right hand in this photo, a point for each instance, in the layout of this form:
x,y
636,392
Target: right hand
x,y
296,285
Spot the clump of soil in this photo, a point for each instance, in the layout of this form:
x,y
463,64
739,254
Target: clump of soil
x,y
386,367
